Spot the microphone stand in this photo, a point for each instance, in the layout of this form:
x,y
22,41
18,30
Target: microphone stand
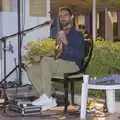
x,y
19,42
3,83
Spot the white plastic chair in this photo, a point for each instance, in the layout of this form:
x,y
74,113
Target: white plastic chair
x,y
110,95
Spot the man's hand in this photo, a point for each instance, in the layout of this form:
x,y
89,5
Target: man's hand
x,y
58,50
62,37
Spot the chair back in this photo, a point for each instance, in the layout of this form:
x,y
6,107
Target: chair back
x,y
88,55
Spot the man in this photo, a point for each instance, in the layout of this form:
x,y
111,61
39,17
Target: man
x,y
72,40
70,53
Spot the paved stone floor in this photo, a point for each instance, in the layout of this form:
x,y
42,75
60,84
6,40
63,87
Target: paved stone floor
x,y
50,115
53,116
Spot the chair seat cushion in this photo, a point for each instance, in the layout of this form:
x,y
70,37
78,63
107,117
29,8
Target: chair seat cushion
x,y
61,76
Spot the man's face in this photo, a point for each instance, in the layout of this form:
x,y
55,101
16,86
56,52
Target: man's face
x,y
65,18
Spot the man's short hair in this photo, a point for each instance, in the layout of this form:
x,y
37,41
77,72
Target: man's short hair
x,y
65,9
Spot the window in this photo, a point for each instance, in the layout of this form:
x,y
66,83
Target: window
x,y
38,8
8,5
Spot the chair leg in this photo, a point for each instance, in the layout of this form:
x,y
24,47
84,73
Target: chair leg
x,y
66,94
84,97
110,94
72,92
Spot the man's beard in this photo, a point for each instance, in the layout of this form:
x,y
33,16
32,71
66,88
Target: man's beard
x,y
64,24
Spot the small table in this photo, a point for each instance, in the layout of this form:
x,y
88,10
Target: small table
x,y
110,94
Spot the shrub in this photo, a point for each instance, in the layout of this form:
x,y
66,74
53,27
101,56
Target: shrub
x,y
105,57
39,48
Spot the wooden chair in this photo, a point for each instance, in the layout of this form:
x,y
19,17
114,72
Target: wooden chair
x,y
71,78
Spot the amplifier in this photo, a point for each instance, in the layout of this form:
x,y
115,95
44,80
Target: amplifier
x,y
24,107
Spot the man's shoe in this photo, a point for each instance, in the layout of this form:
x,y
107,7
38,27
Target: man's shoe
x,y
49,104
41,100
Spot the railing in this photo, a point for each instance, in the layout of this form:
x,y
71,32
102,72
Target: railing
x,y
5,38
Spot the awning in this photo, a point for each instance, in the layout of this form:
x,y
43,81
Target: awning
x,y
81,6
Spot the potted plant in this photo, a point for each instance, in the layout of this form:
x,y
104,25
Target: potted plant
x,y
35,50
